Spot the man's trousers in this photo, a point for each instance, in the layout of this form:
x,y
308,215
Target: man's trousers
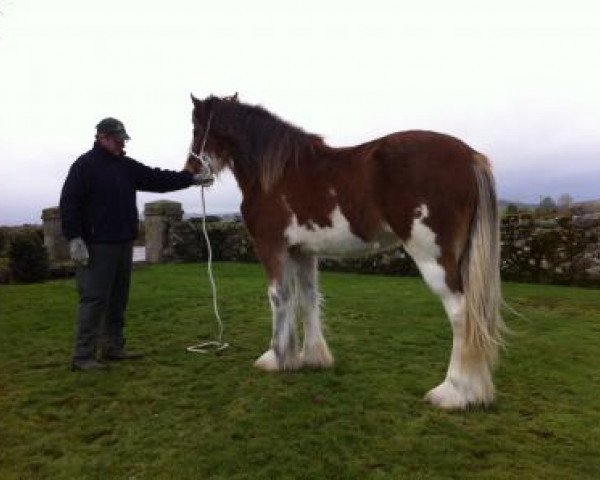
x,y
103,287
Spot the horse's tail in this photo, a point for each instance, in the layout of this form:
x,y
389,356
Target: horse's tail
x,y
480,268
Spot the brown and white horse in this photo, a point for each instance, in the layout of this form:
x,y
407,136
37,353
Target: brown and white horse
x,y
429,192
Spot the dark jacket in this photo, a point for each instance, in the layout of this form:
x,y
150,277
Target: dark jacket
x,y
98,199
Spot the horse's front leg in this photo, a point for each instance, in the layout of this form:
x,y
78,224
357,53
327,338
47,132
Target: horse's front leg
x,y
283,353
315,352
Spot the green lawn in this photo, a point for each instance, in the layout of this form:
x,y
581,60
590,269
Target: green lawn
x,y
181,415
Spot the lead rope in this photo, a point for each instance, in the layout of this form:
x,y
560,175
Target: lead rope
x,y
217,344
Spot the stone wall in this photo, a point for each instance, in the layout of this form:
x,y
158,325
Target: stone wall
x,y
563,250
229,241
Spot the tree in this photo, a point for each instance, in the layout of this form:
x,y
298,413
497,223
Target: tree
x,y
512,209
565,201
28,258
547,206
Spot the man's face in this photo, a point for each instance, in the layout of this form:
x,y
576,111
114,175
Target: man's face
x,y
114,144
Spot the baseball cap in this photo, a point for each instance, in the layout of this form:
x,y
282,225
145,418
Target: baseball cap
x,y
112,126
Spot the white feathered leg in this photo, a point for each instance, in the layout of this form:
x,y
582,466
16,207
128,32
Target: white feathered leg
x,y
315,352
283,354
468,380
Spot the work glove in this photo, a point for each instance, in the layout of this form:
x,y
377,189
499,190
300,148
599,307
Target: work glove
x,y
203,179
79,251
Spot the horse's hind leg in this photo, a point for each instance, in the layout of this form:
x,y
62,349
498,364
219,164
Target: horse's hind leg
x,y
283,353
315,352
468,380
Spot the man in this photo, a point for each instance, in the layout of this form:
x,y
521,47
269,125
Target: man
x,y
100,220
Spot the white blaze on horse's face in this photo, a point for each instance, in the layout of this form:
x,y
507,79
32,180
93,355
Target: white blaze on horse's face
x,y
335,240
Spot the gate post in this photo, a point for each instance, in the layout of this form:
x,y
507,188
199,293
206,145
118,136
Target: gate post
x,y
54,241
159,217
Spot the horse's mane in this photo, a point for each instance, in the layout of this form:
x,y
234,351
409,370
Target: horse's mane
x,y
265,144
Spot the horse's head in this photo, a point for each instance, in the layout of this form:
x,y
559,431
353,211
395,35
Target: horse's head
x,y
209,148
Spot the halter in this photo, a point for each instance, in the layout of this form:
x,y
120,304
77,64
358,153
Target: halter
x,y
202,157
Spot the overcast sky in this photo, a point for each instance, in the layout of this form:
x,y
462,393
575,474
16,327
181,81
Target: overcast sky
x,y
517,80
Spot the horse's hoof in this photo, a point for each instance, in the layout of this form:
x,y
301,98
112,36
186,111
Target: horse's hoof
x,y
267,361
318,358
448,397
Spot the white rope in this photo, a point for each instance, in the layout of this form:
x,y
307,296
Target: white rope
x,y
217,344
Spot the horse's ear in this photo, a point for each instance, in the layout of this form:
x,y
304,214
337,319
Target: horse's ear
x,y
232,98
194,99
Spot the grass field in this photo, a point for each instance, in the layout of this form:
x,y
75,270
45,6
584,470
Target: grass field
x,y
181,415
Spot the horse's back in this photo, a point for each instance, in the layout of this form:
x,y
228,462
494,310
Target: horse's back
x,y
422,150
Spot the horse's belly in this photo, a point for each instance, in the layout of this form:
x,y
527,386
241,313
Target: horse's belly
x,y
336,240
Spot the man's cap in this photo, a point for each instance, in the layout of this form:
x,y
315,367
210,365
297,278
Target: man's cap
x,y
112,126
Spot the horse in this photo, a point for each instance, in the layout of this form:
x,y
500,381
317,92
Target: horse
x,y
428,192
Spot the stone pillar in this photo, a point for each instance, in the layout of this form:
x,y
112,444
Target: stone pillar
x,y
158,219
54,241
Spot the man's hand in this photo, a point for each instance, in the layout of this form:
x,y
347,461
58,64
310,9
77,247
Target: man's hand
x,y
79,251
203,179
